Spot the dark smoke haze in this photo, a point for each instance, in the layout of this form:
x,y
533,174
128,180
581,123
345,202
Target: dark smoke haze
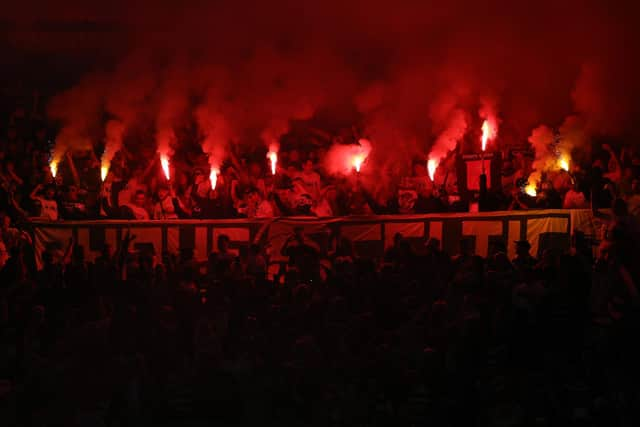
x,y
416,75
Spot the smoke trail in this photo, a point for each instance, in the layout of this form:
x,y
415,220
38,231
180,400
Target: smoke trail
x,y
453,133
113,141
216,132
172,106
542,140
77,110
347,158
488,112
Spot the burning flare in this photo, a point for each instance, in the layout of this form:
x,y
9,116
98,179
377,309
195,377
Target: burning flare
x,y
486,132
164,162
273,158
563,163
530,189
432,165
357,161
213,177
104,170
53,167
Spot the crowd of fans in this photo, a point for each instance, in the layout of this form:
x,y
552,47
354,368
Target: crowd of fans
x,y
416,336
135,187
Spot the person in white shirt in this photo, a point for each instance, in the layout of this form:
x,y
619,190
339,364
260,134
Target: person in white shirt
x,y
575,199
253,206
310,179
48,203
138,207
165,207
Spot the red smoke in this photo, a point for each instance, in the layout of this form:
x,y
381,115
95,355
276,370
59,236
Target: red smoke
x,y
416,75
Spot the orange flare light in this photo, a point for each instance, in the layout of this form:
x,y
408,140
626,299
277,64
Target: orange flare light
x,y
563,163
432,165
53,167
104,170
164,162
213,177
273,158
357,162
530,189
486,131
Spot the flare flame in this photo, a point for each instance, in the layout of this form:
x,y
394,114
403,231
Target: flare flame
x,y
213,177
53,167
164,162
563,163
357,162
486,132
531,190
272,155
432,165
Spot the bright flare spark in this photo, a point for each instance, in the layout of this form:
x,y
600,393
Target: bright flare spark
x,y
104,170
486,131
164,162
273,158
213,177
530,189
53,167
563,163
357,162
432,165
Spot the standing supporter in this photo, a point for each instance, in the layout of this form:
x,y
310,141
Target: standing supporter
x,y
168,205
602,190
548,197
253,206
47,201
524,262
614,169
310,179
574,198
136,183
138,208
72,205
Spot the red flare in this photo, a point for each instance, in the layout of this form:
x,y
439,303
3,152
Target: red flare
x,y
213,177
164,162
432,165
357,161
273,157
486,130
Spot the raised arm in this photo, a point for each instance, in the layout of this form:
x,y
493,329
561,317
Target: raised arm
x,y
72,166
149,168
34,193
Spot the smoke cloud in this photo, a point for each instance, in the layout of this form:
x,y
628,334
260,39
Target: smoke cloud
x,y
416,79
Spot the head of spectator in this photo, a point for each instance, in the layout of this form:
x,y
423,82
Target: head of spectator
x,y
49,192
223,243
522,248
255,170
72,194
140,199
308,166
467,248
419,168
162,192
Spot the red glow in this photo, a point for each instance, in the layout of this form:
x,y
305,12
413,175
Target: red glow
x,y
213,177
164,162
486,130
273,158
357,161
432,165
